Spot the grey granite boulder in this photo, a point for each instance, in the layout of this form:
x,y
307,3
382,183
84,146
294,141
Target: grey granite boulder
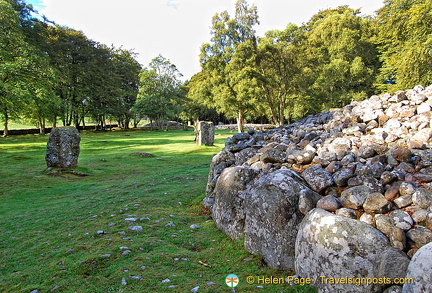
x,y
420,269
273,213
338,247
227,209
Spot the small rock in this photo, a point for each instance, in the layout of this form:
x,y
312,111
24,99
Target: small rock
x,y
422,197
419,215
195,289
402,155
347,213
126,252
342,176
123,282
393,289
166,281
131,219
101,232
368,219
376,203
388,177
407,188
354,197
105,255
397,238
136,278
170,224
384,224
136,228
403,201
420,235
211,283
401,219
317,177
194,226
329,203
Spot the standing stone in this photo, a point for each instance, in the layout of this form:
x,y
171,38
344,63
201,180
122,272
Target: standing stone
x,y
63,147
205,132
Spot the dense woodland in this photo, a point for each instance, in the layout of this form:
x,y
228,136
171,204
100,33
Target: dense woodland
x,y
52,74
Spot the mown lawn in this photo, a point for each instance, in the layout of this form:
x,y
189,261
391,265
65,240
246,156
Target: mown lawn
x,y
49,224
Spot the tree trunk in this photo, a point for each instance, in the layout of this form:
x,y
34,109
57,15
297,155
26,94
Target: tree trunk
x,y
54,122
240,120
41,125
6,123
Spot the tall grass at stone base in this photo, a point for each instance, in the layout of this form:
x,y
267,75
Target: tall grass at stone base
x,y
49,224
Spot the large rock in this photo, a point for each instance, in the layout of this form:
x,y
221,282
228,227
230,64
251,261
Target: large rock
x,y
331,246
420,269
63,147
273,208
206,133
227,209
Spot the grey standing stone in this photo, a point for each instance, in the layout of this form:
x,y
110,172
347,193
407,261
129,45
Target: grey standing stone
x,y
205,131
63,147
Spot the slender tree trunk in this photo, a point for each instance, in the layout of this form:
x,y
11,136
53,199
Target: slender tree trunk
x,y
41,125
6,123
54,122
240,120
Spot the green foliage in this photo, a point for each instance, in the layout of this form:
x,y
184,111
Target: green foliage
x,y
50,223
341,55
24,70
228,63
160,93
405,39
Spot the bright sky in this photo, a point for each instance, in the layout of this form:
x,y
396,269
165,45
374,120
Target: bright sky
x,y
176,29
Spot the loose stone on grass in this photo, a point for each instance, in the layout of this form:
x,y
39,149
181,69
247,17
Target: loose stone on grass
x,y
136,228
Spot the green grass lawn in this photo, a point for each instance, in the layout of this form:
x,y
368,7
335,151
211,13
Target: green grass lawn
x,y
49,224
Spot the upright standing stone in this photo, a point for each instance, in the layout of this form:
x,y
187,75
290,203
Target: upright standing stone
x,y
205,132
63,147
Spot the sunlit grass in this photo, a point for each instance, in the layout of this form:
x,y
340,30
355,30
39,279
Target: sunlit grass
x,y
49,224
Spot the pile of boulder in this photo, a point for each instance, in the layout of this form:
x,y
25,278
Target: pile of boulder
x,y
342,194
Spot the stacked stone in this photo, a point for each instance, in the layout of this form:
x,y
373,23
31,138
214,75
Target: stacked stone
x,y
370,161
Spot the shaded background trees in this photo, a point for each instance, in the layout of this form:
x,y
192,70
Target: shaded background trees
x,y
51,73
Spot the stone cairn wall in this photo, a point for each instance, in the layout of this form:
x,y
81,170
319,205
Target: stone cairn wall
x,y
341,194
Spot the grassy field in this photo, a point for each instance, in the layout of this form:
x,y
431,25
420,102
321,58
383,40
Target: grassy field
x,y
49,224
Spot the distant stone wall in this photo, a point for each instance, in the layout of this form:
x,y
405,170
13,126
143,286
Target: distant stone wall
x,y
344,193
